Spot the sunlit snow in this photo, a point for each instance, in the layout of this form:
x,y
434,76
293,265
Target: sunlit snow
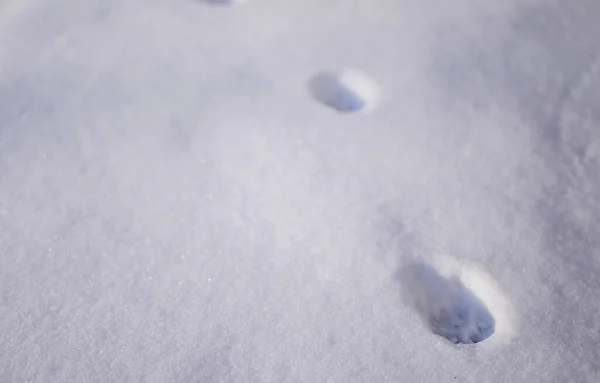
x,y
300,191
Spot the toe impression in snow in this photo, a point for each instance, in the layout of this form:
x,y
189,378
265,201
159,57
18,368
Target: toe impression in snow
x,y
447,307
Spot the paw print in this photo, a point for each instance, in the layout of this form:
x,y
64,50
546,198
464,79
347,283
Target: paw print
x,y
462,324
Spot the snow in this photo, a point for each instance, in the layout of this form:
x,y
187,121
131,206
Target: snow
x,y
178,204
346,91
457,301
226,2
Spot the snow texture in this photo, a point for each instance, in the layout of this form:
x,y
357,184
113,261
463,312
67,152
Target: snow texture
x,y
180,200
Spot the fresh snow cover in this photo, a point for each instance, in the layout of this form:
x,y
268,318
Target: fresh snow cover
x,y
182,200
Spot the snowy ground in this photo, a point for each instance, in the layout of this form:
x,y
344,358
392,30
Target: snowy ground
x,y
182,201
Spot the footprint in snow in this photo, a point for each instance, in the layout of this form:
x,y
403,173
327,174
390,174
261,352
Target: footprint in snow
x,y
448,308
345,91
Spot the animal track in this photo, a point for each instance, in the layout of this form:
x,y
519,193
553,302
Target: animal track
x,y
446,305
347,91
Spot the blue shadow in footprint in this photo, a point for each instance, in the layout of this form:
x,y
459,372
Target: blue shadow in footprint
x,y
326,88
445,305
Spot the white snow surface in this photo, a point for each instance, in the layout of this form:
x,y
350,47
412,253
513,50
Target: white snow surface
x,y
177,206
